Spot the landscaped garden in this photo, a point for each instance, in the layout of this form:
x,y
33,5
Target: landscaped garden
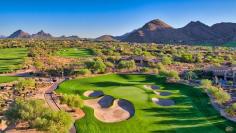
x,y
75,52
191,113
12,58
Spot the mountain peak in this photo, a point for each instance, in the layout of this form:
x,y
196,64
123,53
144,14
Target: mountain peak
x,y
106,38
156,24
19,34
196,23
42,34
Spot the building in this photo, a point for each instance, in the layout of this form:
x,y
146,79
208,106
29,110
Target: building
x,y
223,74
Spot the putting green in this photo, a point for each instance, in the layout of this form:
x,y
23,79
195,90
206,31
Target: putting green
x,y
192,112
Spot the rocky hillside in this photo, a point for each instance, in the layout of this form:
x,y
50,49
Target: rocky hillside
x,y
195,32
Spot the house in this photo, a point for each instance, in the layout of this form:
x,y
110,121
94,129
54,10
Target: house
x,y
223,74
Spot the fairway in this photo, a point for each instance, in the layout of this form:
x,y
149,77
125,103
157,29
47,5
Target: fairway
x,y
75,52
192,112
6,79
12,58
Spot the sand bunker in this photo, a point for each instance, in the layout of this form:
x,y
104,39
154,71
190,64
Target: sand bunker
x,y
106,101
165,93
162,93
93,94
163,102
154,87
151,87
119,111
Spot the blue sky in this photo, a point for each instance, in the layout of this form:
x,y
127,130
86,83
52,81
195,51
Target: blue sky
x,y
92,18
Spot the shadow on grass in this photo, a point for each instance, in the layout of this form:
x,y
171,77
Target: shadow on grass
x,y
192,113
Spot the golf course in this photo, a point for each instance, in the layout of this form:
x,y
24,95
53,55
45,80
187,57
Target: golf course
x,y
190,113
12,58
74,52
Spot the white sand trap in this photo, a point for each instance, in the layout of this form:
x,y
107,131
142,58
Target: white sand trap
x,y
120,110
93,94
163,102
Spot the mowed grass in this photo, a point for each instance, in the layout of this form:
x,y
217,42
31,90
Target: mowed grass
x,y
75,52
230,44
192,113
12,58
6,79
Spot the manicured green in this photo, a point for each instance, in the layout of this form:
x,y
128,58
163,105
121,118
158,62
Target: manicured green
x,y
230,44
6,79
192,113
12,58
75,52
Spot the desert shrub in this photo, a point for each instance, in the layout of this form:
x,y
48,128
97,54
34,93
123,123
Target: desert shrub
x,y
205,83
145,69
166,60
38,116
72,100
160,66
231,110
222,97
219,94
84,72
127,65
156,71
170,74
25,84
174,75
96,66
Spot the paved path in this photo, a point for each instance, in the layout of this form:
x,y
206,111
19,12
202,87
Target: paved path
x,y
51,103
21,73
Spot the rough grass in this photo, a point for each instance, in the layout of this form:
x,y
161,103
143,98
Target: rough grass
x,y
191,114
12,58
6,79
75,52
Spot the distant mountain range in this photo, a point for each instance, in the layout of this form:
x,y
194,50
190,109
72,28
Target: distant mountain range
x,y
157,31
22,34
1,36
197,32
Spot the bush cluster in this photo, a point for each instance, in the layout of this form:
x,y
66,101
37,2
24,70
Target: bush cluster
x,y
38,116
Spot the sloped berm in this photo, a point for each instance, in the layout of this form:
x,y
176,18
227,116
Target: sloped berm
x,y
110,110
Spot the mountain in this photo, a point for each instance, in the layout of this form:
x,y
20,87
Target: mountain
x,y
68,37
226,30
1,36
19,34
158,31
106,38
42,34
